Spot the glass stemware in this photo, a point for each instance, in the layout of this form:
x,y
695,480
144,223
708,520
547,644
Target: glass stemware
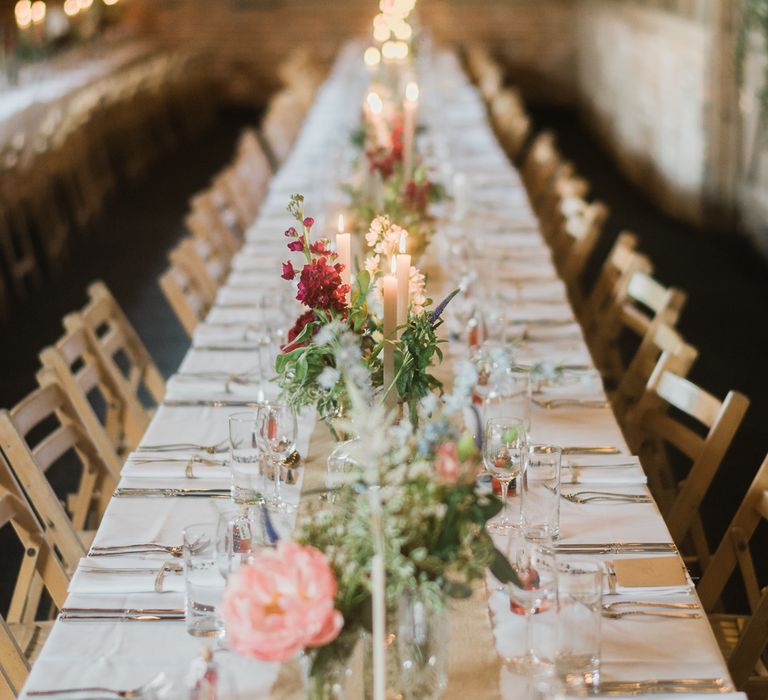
x,y
534,595
503,456
277,438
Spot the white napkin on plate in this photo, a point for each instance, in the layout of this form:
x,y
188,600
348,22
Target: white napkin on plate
x,y
143,580
181,388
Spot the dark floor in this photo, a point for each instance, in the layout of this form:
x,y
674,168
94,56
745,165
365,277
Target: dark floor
x,y
727,285
128,250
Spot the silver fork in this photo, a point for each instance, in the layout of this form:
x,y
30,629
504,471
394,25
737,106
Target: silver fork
x,y
611,607
583,497
216,448
141,690
619,614
175,550
568,403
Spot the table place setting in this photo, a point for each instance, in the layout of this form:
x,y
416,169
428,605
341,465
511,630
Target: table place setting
x,y
387,466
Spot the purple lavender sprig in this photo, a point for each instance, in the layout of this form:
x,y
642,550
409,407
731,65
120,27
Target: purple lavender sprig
x,y
434,317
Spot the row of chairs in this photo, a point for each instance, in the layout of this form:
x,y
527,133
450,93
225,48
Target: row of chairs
x,y
62,447
57,175
61,451
220,215
629,321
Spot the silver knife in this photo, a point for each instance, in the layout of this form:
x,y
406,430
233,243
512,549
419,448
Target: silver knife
x,y
170,492
600,450
192,403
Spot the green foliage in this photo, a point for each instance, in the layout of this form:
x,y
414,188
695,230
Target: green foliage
x,y
755,17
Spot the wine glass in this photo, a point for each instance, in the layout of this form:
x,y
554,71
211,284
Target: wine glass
x,y
534,595
503,454
277,438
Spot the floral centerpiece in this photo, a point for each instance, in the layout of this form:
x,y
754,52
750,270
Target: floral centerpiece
x,y
433,512
382,187
306,368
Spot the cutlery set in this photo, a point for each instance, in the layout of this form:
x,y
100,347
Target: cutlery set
x,y
618,548
149,492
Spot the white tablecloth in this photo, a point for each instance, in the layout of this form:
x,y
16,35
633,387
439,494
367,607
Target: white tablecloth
x,y
127,654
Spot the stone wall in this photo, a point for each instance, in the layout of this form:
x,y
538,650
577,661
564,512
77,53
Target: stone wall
x,y
643,77
247,38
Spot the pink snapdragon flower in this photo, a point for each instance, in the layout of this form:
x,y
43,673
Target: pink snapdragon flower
x,y
281,604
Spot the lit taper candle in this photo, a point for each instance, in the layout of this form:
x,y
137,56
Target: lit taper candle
x,y
389,283
410,108
344,251
403,283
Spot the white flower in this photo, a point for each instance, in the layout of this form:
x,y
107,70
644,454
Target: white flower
x,y
371,265
328,378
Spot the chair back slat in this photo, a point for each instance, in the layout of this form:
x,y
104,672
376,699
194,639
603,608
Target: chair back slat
x,y
687,397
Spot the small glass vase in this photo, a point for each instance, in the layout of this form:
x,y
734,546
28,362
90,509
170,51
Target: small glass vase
x,y
325,675
418,631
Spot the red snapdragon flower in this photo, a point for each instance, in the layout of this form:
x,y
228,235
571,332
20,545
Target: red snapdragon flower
x,y
288,272
291,233
296,246
320,286
298,327
309,222
417,195
320,248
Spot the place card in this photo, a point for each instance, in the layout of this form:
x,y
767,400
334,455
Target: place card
x,y
649,572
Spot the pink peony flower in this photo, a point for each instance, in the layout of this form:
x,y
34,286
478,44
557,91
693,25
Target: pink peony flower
x,y
281,604
288,272
447,463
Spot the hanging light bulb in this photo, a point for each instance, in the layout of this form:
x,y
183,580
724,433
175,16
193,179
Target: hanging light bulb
x,y
23,13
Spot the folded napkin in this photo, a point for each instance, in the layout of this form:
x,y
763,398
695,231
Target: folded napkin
x,y
182,388
245,333
113,575
177,465
656,575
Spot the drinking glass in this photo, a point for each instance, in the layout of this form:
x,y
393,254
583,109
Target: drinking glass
x,y
203,582
534,595
580,598
246,458
540,493
491,360
239,535
503,456
510,396
277,432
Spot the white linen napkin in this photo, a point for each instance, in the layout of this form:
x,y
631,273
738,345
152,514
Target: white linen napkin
x,y
92,576
176,465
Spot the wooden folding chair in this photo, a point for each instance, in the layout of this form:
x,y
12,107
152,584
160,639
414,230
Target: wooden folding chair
x,y
186,292
579,236
612,280
540,167
206,221
123,356
510,121
281,124
562,198
43,436
662,341
743,639
663,418
636,308
17,249
44,568
113,421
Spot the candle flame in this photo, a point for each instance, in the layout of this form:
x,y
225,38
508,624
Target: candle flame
x,y
374,102
402,243
393,265
412,92
341,223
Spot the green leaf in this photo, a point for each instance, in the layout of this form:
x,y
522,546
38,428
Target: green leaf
x,y
502,569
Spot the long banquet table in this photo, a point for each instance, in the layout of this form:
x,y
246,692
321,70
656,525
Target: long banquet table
x,y
460,140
